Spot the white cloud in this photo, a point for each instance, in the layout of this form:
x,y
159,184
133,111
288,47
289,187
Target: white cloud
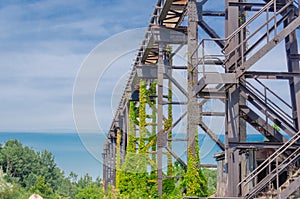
x,y
43,44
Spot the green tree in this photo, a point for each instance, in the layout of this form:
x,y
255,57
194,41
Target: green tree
x,y
67,188
48,169
6,188
85,181
211,175
24,168
43,188
18,162
73,176
90,192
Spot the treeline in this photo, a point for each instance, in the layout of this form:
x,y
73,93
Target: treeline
x,y
24,171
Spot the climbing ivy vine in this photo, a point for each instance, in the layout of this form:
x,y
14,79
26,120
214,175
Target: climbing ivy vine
x,y
118,158
195,181
152,102
133,179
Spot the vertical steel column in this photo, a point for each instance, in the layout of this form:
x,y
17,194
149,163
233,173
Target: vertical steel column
x,y
104,168
109,169
235,126
161,140
109,164
113,162
192,107
170,113
154,129
125,131
123,139
121,126
291,46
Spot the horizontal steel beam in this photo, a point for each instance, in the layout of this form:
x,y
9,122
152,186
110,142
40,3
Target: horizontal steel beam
x,y
213,13
220,114
252,4
174,103
246,4
270,75
256,145
211,94
179,67
207,166
178,139
215,78
165,35
207,61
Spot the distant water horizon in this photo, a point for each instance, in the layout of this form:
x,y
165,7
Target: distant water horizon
x,y
68,149
82,153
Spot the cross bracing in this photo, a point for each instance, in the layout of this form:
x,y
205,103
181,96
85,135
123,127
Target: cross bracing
x,y
257,97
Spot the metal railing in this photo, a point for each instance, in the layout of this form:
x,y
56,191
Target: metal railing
x,y
271,24
204,57
269,109
265,97
266,164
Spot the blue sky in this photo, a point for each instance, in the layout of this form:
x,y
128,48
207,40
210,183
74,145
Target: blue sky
x,y
42,45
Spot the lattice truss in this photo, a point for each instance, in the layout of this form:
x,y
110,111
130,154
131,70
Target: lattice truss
x,y
237,74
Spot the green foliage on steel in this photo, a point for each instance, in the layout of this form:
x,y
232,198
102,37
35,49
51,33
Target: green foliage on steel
x,y
152,93
134,179
194,179
118,158
142,115
131,134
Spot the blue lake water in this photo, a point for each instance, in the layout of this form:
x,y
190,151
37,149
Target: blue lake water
x,y
82,154
68,149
